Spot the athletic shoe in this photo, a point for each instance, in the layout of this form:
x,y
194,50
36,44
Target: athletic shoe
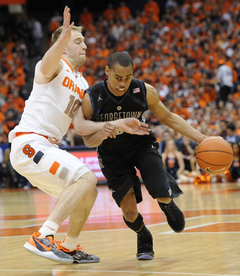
x,y
79,256
46,247
174,216
145,245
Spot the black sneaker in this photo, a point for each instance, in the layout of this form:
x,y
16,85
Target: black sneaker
x,y
145,245
79,256
82,257
174,216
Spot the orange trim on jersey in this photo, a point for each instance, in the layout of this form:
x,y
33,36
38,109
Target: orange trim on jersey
x,y
54,168
51,140
72,68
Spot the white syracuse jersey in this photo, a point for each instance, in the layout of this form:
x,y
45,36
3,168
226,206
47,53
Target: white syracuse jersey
x,y
50,107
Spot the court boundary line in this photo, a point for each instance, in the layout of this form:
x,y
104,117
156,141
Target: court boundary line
x,y
123,271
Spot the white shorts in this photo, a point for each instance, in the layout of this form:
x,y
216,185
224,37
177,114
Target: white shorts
x,y
44,164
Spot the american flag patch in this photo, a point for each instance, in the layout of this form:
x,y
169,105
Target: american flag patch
x,y
136,90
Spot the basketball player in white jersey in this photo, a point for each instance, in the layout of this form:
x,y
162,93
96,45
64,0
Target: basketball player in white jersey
x,y
56,96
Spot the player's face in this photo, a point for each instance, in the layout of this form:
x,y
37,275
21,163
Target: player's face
x,y
119,79
76,48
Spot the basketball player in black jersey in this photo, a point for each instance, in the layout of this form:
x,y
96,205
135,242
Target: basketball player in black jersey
x,y
122,96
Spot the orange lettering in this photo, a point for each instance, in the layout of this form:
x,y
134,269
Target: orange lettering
x,y
71,85
81,93
77,90
66,82
28,150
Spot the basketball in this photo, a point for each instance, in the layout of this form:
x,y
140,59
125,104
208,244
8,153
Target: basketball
x,y
214,155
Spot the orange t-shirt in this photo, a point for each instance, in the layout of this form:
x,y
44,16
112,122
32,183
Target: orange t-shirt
x,y
109,14
123,12
86,18
152,7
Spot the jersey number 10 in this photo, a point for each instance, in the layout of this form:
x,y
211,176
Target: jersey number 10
x,y
72,106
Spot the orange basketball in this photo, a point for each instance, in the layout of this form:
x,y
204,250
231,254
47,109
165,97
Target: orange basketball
x,y
214,155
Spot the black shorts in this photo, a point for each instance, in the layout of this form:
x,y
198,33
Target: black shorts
x,y
119,170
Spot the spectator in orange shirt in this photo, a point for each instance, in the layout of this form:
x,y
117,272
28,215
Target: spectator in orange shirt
x,y
18,101
205,97
146,61
4,85
90,76
148,76
151,7
236,95
11,118
181,110
10,44
208,6
2,117
109,13
17,78
143,19
196,75
9,104
104,52
55,22
123,11
153,17
86,18
210,91
195,6
6,56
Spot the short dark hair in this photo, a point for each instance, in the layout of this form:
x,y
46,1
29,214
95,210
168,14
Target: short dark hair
x,y
231,126
122,58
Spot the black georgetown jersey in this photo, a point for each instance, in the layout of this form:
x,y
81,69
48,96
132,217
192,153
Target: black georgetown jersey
x,y
107,107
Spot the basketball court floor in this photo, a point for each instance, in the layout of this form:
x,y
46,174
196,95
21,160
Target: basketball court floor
x,y
209,245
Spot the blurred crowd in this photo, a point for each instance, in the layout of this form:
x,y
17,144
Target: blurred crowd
x,y
189,52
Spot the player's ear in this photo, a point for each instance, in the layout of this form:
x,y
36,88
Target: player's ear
x,y
64,51
107,70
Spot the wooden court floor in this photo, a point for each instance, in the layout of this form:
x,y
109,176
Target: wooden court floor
x,y
209,245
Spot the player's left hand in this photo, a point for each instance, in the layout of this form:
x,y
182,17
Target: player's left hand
x,y
133,126
67,26
109,130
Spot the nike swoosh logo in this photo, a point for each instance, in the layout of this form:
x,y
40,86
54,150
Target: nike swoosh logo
x,y
48,248
50,228
209,170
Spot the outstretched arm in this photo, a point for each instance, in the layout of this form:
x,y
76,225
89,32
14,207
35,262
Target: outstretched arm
x,y
170,119
94,133
86,127
51,63
113,128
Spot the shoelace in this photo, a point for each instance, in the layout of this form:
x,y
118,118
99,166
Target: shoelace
x,y
59,246
53,241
